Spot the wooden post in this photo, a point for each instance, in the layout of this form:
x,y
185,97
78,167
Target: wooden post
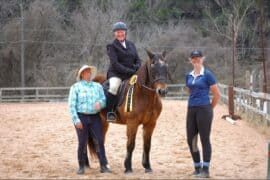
x,y
233,52
231,101
182,93
22,49
262,35
230,90
0,95
247,84
37,93
268,112
268,168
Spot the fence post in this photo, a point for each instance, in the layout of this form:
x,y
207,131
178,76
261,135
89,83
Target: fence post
x,y
268,112
231,100
182,92
22,94
37,93
0,95
268,168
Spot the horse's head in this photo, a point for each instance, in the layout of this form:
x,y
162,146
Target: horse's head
x,y
158,71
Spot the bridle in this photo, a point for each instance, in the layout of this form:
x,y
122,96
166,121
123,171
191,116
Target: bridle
x,y
151,80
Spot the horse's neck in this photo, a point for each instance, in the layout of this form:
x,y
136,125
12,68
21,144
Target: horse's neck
x,y
143,75
143,85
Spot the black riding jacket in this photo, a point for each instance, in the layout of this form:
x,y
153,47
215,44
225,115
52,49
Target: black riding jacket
x,y
124,62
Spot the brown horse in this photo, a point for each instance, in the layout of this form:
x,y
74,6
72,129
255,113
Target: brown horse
x,y
147,107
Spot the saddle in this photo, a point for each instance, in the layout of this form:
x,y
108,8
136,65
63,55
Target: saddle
x,y
120,93
125,89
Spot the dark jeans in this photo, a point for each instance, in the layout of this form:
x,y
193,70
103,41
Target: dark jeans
x,y
199,121
91,127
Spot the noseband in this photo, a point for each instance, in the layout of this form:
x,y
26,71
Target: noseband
x,y
152,81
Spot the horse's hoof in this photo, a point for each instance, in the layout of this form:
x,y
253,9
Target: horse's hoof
x,y
128,171
148,170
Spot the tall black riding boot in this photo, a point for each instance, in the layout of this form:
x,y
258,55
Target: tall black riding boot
x,y
105,169
81,167
111,103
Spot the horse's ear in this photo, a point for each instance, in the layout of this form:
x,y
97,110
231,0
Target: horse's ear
x,y
164,54
149,53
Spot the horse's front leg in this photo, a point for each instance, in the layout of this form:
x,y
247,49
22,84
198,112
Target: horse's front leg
x,y
147,135
131,137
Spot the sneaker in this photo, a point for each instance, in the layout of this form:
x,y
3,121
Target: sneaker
x,y
196,172
203,174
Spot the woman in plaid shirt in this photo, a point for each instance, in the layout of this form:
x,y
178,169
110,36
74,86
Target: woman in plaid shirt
x,y
86,99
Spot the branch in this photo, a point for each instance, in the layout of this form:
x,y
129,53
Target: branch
x,y
244,14
213,21
219,33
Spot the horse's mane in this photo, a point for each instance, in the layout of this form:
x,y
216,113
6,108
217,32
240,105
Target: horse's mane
x,y
142,73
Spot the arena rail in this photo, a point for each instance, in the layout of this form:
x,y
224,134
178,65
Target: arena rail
x,y
247,102
51,94
33,94
254,105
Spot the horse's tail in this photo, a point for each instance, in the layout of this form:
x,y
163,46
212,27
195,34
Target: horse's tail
x,y
92,147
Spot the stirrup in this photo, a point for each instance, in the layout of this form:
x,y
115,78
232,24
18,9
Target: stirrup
x,y
111,117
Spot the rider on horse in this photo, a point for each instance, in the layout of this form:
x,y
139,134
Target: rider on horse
x,y
124,62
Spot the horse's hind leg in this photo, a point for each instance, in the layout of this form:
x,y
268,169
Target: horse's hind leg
x,y
131,135
147,135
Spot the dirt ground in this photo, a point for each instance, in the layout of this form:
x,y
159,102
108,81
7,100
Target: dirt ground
x,y
38,140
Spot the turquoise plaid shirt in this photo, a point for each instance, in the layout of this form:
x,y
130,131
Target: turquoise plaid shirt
x,y
82,98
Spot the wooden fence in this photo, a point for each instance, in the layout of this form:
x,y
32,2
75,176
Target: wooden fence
x,y
254,105
48,94
34,94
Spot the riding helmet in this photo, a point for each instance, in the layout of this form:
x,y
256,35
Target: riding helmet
x,y
119,26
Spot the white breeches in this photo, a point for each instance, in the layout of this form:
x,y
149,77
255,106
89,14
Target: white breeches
x,y
115,82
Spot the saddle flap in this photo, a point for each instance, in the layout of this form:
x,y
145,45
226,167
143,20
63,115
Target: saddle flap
x,y
120,93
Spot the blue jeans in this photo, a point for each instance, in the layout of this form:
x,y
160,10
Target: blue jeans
x,y
92,126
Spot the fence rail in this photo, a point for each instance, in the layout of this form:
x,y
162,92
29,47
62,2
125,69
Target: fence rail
x,y
246,101
254,105
34,94
47,94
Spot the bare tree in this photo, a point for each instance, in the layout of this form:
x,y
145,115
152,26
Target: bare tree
x,y
233,15
228,24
